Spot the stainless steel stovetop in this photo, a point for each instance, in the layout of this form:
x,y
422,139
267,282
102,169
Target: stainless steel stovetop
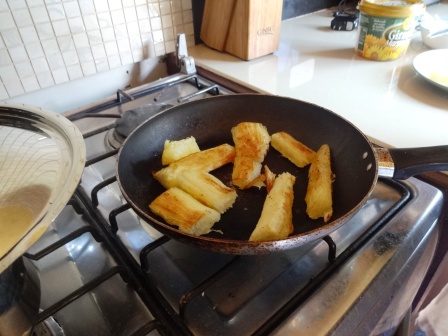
x,y
112,274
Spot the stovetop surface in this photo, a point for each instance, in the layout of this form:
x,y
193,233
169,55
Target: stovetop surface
x,y
210,293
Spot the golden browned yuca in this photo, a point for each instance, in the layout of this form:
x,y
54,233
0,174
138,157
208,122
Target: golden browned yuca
x,y
292,149
276,217
207,189
318,196
206,160
174,150
269,178
180,209
251,145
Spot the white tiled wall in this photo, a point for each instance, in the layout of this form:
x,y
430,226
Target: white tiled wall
x,y
49,42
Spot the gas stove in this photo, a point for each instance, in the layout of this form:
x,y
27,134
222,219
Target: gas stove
x,y
104,271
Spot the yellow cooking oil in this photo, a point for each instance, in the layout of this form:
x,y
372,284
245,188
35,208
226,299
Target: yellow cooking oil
x,y
386,27
15,221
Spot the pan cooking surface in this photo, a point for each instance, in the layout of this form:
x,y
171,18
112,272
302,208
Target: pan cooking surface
x,y
210,121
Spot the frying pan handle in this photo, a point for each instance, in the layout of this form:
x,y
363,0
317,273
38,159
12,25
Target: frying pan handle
x,y
412,161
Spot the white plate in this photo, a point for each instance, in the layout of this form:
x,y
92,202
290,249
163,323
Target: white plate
x,y
433,66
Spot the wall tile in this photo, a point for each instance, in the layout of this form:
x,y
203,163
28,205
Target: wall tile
x,y
18,54
156,23
50,47
28,34
142,12
17,4
108,34
55,62
186,4
176,6
114,61
76,25
72,9
104,20
165,7
80,40
11,38
167,21
132,28
114,4
101,6
98,51
45,31
39,14
34,3
8,73
144,26
74,71
24,69
5,59
29,84
66,43
94,37
48,42
88,68
128,3
3,93
60,76
84,54
102,64
56,11
91,22
154,10
61,28
126,58
121,30
40,65
14,87
111,48
45,79
130,14
70,57
7,20
22,17
117,17
34,50
87,7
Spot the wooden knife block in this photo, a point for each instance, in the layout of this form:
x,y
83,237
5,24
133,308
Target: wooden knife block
x,y
245,28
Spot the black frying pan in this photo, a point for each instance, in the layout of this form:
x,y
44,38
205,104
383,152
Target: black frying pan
x,y
210,120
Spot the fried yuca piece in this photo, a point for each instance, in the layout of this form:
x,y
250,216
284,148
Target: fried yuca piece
x,y
251,145
206,160
174,150
207,189
318,198
276,217
292,149
180,209
269,177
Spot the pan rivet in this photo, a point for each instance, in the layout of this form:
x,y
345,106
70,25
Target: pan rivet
x,y
369,166
364,156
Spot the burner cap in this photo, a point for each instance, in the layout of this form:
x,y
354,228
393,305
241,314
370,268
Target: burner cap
x,y
135,117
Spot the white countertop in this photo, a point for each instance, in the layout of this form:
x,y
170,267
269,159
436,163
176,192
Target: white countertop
x,y
388,101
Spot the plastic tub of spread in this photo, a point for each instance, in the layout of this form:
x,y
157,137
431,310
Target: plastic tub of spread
x,y
386,27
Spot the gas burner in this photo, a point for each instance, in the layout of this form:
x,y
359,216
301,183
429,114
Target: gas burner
x,y
130,120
